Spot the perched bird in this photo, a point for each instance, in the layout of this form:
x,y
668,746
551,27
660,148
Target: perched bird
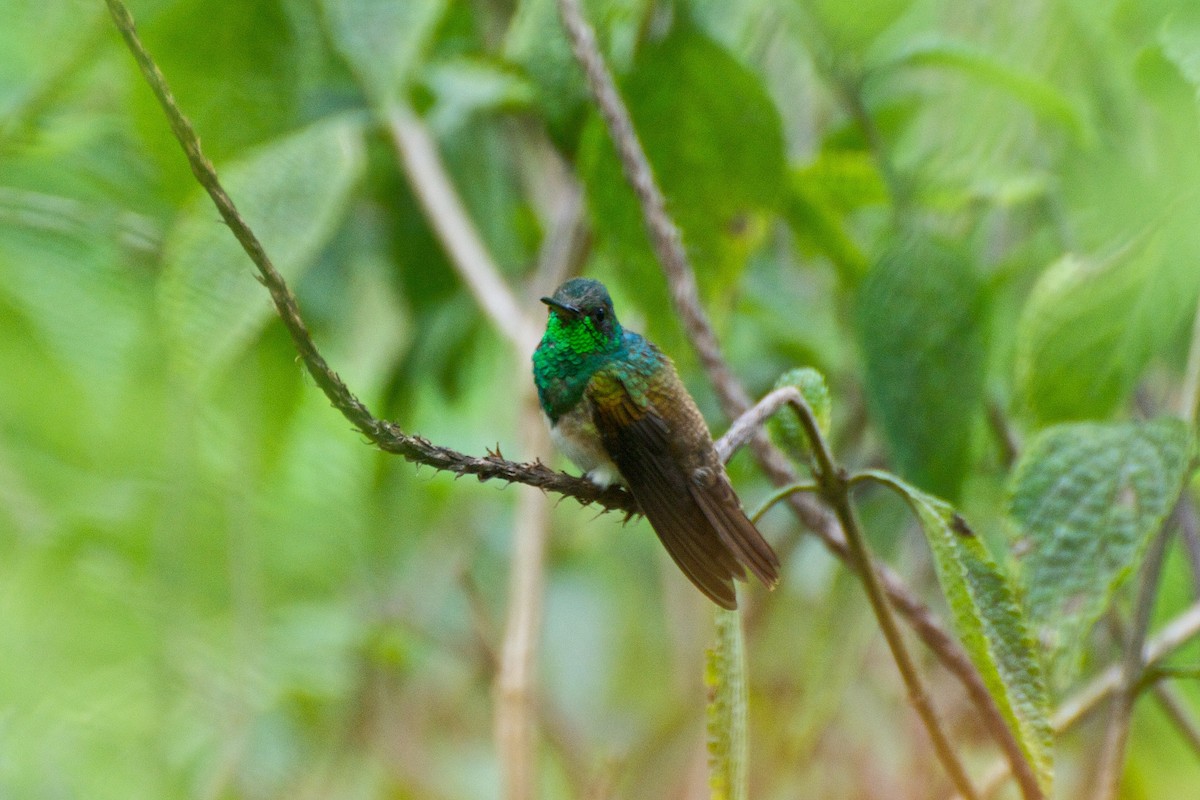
x,y
617,408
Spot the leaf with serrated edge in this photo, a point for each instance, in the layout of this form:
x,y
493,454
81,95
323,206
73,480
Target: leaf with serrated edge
x,y
1086,498
292,193
989,621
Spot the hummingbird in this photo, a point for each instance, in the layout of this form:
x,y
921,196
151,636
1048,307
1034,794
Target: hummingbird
x,y
617,408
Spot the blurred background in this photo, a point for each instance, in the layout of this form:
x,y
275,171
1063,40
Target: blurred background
x,y
211,587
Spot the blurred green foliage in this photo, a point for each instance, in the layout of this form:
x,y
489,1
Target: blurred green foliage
x,y
976,220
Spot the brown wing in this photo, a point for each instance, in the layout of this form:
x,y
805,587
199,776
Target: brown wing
x,y
697,517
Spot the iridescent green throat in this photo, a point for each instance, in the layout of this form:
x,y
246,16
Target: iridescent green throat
x,y
569,355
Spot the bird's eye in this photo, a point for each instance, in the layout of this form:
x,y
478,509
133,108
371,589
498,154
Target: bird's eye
x,y
599,314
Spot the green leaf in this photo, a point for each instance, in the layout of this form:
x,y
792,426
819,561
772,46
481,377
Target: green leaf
x,y
84,299
725,679
845,32
292,193
464,87
383,40
819,198
235,69
989,621
1039,95
1086,497
921,329
1180,41
714,139
1090,325
785,428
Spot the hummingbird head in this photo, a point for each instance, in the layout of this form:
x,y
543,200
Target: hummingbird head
x,y
582,318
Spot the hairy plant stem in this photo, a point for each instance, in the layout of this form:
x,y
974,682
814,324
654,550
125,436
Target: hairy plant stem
x,y
834,486
383,434
728,749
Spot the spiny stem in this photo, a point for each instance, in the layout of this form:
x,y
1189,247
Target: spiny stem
x,y
835,489
383,434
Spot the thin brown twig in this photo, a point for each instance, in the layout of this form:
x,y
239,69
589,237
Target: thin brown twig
x,y
515,681
1156,681
1189,396
1116,737
516,675
664,235
835,489
385,435
1189,532
668,246
1178,713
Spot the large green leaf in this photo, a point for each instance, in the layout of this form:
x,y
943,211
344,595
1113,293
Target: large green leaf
x,y
989,621
714,140
235,68
1090,325
1086,497
383,40
820,197
463,88
292,193
79,297
921,329
1037,94
845,33
1180,40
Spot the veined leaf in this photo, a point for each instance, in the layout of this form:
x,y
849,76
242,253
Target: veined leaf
x,y
383,40
784,427
989,621
292,193
821,195
1086,497
1090,325
1040,96
920,327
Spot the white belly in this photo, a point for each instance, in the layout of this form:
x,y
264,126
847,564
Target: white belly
x,y
576,436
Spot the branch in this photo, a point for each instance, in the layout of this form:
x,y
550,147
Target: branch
x,y
1116,737
516,676
385,435
835,489
746,427
664,235
1178,713
1189,397
665,238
